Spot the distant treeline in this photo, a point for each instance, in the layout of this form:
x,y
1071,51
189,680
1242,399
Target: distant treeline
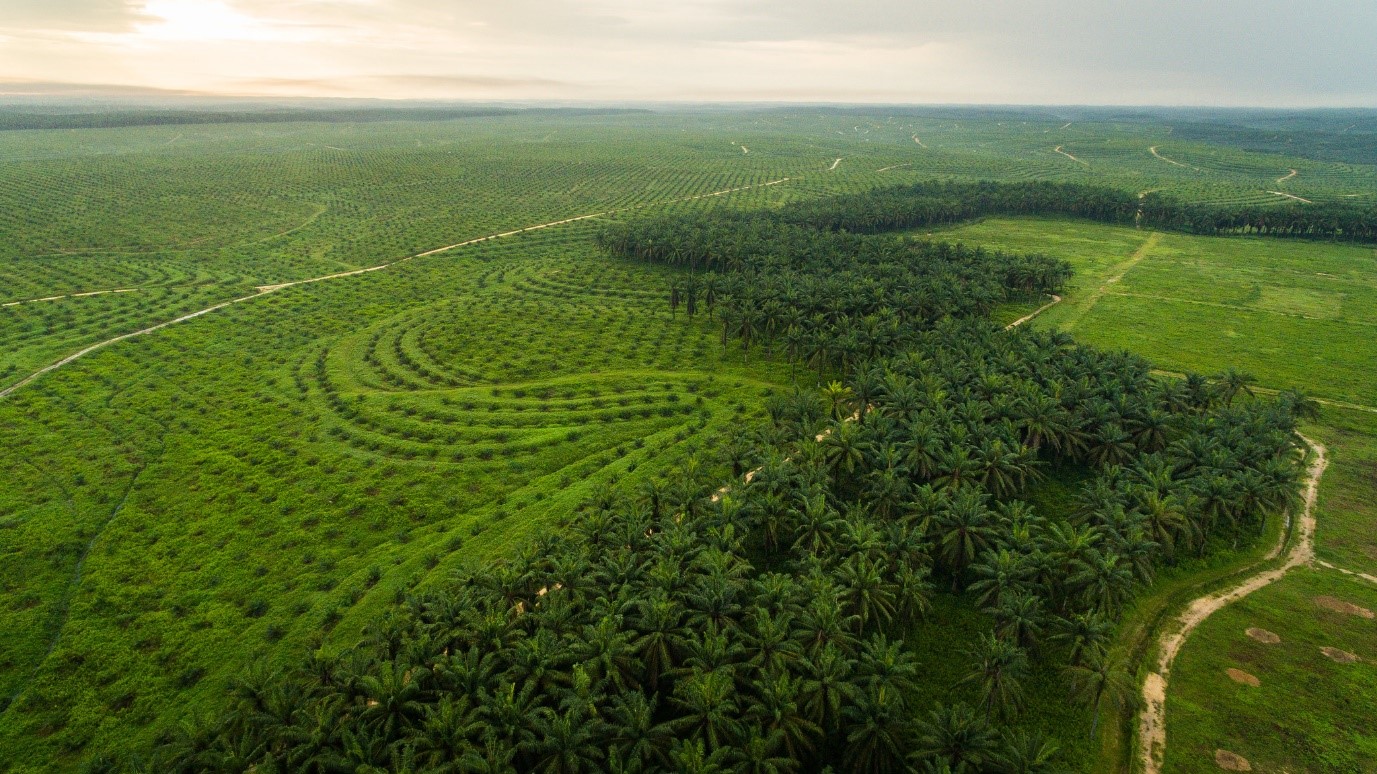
x,y
1355,143
124,118
944,202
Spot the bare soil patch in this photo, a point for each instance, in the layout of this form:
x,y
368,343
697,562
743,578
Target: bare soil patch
x,y
1239,676
1263,636
1340,606
1229,761
1341,656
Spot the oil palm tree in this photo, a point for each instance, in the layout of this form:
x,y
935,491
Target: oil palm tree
x,y
1102,678
999,667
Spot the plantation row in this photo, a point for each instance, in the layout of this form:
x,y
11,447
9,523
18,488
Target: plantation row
x,y
273,477
35,334
830,299
284,468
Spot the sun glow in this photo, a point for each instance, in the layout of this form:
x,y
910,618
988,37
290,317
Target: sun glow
x,y
201,20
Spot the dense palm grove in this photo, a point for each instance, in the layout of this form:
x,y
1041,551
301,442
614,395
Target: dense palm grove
x,y
828,299
943,202
749,611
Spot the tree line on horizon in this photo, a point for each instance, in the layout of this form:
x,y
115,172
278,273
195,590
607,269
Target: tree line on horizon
x,y
945,202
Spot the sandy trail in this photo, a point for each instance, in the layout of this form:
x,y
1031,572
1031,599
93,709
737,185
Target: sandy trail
x,y
1056,299
82,353
1152,729
1118,274
1058,149
1291,196
920,142
1153,151
1292,174
834,165
71,295
266,289
895,166
1352,573
1066,125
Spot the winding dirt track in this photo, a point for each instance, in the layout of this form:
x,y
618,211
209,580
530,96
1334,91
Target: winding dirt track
x,y
1058,149
1152,728
1056,299
1153,151
1291,196
1350,573
71,295
266,289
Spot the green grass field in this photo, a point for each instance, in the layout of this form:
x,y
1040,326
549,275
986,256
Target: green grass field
x,y
234,489
1309,712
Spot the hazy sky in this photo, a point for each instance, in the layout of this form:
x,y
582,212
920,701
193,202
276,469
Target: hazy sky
x,y
1216,52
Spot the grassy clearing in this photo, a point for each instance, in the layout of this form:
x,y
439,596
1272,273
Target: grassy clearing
x,y
1294,314
1347,505
1309,713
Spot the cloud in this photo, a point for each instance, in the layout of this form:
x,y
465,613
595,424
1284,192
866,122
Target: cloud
x,y
11,88
420,86
1022,51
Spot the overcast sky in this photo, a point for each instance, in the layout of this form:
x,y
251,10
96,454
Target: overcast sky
x,y
1206,52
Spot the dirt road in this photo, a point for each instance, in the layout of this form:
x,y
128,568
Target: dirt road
x,y
70,295
1118,274
266,289
1153,151
1058,149
1056,299
1152,729
1291,196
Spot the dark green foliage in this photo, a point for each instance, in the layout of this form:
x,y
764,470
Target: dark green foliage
x,y
936,203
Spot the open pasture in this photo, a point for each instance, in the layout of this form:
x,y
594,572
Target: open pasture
x,y
1294,314
1311,708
